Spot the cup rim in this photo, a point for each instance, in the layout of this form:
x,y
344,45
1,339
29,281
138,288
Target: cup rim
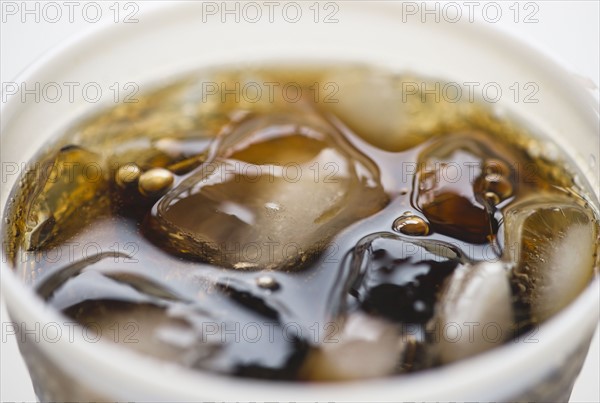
x,y
142,372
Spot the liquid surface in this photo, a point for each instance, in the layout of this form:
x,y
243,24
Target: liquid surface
x,y
324,236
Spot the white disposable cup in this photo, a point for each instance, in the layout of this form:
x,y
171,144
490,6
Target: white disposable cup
x,y
175,39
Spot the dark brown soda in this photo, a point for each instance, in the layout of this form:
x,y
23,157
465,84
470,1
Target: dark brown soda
x,y
231,233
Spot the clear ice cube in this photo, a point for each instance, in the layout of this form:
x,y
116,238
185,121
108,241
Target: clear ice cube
x,y
143,327
359,347
554,242
474,312
276,188
390,111
72,182
400,279
455,176
226,330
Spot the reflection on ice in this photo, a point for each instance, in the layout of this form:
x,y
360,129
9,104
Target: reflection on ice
x,y
277,188
554,242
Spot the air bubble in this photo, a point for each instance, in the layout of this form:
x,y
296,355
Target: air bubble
x,y
155,182
412,225
267,282
128,175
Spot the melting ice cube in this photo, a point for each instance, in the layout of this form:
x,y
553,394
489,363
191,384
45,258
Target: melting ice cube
x,y
554,241
401,279
143,327
474,312
277,188
460,179
72,181
361,347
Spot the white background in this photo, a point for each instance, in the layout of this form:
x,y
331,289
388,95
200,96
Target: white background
x,y
569,30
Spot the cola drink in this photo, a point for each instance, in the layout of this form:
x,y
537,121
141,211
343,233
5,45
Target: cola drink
x,y
334,234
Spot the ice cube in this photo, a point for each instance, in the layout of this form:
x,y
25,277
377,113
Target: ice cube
x,y
391,112
73,181
245,324
401,278
460,179
142,327
474,312
554,242
360,347
226,331
277,188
